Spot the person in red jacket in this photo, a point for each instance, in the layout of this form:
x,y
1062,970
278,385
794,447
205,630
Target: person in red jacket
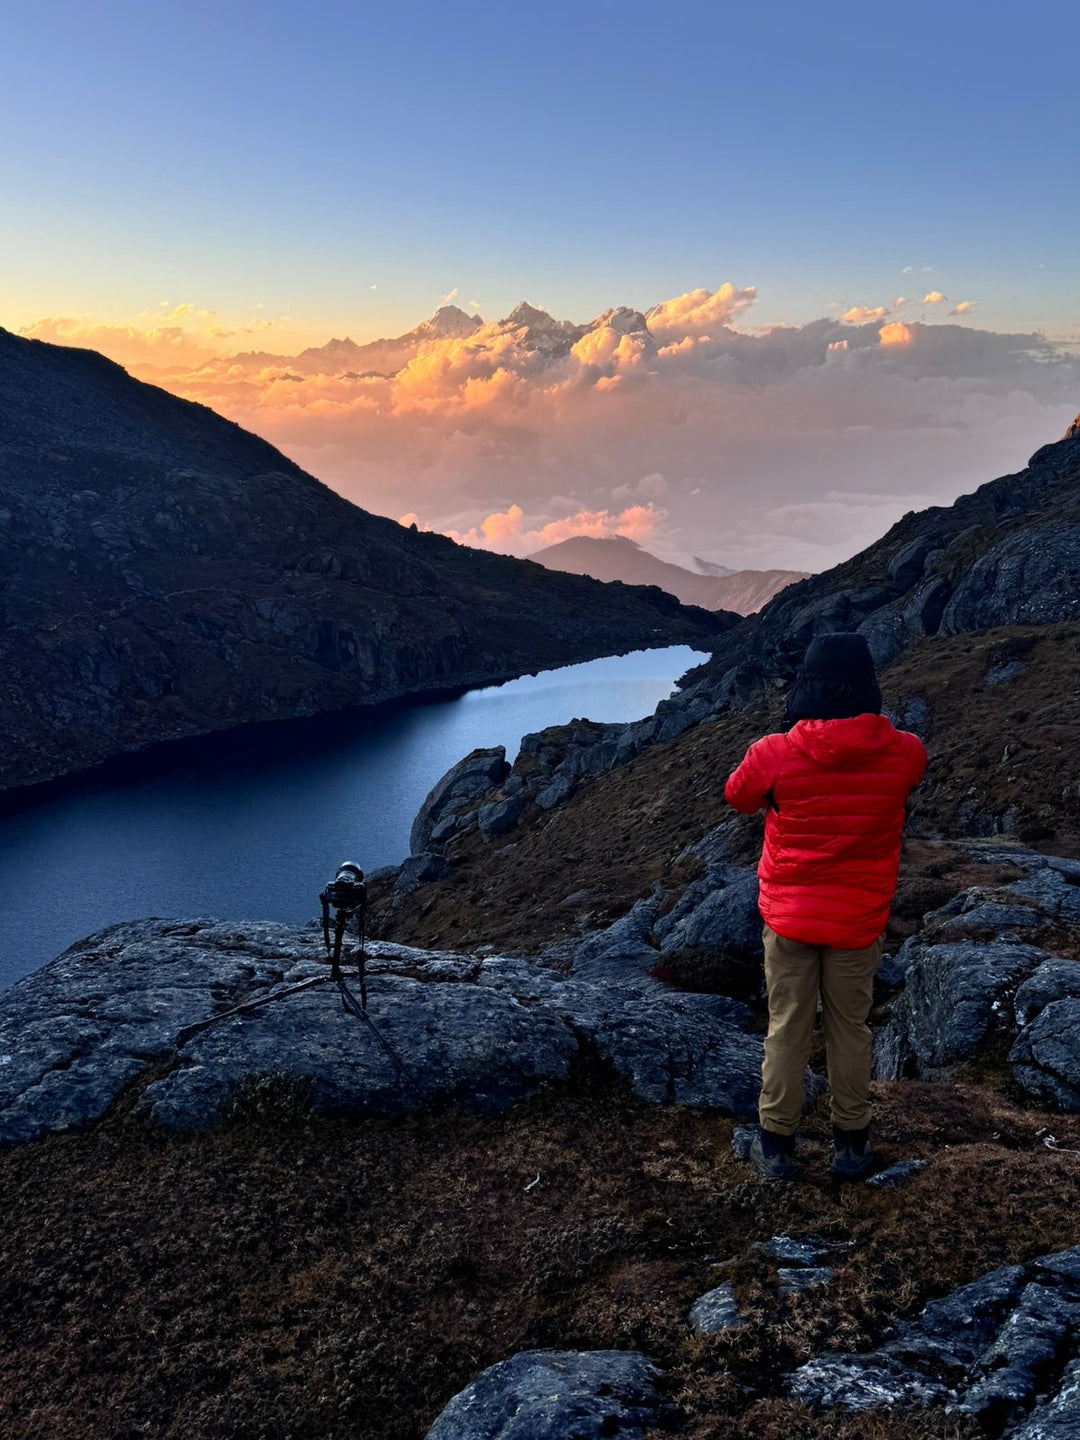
x,y
836,784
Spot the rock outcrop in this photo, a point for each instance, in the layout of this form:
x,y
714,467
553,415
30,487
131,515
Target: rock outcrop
x,y
1002,1349
975,986
619,558
474,1032
165,573
800,1267
469,779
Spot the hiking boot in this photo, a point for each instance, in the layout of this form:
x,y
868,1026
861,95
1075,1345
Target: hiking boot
x,y
772,1155
853,1156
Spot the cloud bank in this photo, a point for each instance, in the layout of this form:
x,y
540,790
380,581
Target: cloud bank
x,y
792,446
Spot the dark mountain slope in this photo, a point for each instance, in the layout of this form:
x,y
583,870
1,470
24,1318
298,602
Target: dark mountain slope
x,y
617,558
164,573
1007,554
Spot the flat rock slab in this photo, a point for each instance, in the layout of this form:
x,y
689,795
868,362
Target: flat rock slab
x,y
458,1044
556,1395
74,1034
475,1032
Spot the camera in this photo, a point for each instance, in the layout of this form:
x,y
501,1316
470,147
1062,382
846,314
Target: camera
x,y
347,890
346,896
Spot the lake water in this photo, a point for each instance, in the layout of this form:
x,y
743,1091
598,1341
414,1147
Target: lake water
x,y
250,824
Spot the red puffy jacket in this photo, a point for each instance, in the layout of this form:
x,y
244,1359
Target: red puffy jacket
x,y
832,847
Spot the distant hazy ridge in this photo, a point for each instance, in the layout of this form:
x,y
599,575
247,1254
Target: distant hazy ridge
x,y
742,591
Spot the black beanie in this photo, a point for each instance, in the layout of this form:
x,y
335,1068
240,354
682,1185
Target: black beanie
x,y
836,681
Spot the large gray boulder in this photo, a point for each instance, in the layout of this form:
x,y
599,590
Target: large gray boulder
x,y
673,1048
499,816
556,1395
464,783
718,912
957,997
419,869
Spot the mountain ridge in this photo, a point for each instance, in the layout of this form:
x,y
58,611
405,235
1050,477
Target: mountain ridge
x,y
617,557
935,570
167,573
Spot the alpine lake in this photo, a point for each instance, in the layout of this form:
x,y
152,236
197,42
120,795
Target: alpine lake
x,y
250,823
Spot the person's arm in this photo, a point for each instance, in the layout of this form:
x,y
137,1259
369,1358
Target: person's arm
x,y
750,786
918,759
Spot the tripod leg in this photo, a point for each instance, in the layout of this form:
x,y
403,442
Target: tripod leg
x,y
361,962
339,935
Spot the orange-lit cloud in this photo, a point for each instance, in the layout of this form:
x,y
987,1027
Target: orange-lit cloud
x,y
183,333
509,532
963,307
863,315
934,297
896,333
607,347
699,310
681,432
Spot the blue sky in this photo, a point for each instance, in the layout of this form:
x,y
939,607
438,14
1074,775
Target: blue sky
x,y
290,156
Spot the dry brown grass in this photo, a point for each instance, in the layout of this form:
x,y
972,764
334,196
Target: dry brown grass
x,y
1036,716
345,1280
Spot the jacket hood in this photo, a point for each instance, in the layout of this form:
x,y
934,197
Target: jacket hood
x,y
836,680
832,741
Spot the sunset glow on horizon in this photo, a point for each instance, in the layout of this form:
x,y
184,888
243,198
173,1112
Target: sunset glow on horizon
x,y
828,219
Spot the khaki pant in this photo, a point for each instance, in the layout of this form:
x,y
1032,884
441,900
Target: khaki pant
x,y
795,975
